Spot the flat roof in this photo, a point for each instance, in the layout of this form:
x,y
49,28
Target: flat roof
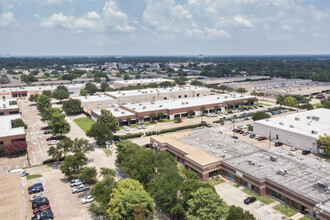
x,y
155,91
303,172
115,111
303,123
142,81
41,88
185,102
5,104
6,128
93,98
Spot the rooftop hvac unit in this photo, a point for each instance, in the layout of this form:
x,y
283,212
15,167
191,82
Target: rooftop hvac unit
x,y
85,97
223,156
152,103
187,102
315,118
282,172
251,163
309,117
122,113
314,132
116,109
123,94
291,126
134,108
140,104
297,118
267,119
218,97
144,107
4,106
225,97
273,158
281,123
182,103
160,105
241,96
322,186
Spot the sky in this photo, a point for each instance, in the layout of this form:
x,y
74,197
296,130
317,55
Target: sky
x,y
164,27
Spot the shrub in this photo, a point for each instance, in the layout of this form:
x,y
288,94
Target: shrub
x,y
52,160
127,136
174,129
16,147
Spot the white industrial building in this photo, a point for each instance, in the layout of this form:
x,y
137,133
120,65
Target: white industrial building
x,y
300,130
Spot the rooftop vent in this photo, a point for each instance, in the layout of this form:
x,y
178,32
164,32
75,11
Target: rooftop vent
x,y
273,158
218,97
251,163
160,105
152,103
281,123
291,126
123,113
309,117
267,119
182,103
282,172
322,186
140,104
223,156
314,132
297,118
315,118
134,108
144,107
187,102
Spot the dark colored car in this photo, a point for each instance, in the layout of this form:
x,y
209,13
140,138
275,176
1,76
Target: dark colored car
x,y
41,208
261,138
235,137
36,189
277,144
50,138
249,200
238,130
43,201
252,135
45,214
241,132
34,185
306,152
45,128
47,132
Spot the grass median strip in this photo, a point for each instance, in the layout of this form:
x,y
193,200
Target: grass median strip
x,y
264,199
304,218
33,176
215,181
285,210
84,123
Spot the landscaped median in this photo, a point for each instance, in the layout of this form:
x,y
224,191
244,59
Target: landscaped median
x,y
84,123
285,210
174,129
33,176
264,199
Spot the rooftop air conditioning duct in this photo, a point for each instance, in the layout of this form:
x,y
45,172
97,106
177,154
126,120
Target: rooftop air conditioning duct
x,y
273,158
322,186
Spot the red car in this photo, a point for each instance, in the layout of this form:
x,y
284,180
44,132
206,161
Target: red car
x,y
238,130
241,132
40,208
180,121
261,138
50,138
45,128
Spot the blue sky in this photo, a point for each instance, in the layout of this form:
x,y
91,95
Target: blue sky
x,y
164,27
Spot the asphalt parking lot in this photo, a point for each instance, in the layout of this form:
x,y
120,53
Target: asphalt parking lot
x,y
64,204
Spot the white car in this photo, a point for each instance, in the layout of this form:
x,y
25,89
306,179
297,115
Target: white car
x,y
144,127
126,128
24,173
53,142
87,199
39,195
76,182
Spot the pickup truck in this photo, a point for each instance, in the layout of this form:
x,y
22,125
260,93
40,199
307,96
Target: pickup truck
x,y
80,188
75,182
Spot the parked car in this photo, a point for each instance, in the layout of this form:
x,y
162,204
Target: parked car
x,y
47,132
34,197
36,189
293,148
24,173
246,133
277,144
87,199
41,208
34,185
252,135
45,214
80,188
126,128
249,200
53,142
235,137
75,182
306,152
40,202
51,138
144,127
261,138
45,128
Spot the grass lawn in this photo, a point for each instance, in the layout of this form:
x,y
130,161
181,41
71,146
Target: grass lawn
x,y
165,121
260,103
215,181
33,176
285,210
304,218
84,123
264,199
237,185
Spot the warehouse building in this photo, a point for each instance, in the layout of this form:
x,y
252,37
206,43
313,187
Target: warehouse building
x,y
124,83
95,102
8,106
299,130
299,181
8,134
148,95
180,107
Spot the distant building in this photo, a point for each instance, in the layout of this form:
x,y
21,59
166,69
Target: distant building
x,y
124,83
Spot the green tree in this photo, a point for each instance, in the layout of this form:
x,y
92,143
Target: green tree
x,y
128,121
19,123
259,116
326,103
206,204
81,145
280,99
58,124
48,113
160,116
104,86
130,201
290,101
191,113
47,93
306,106
237,213
241,90
165,84
190,174
33,97
101,133
72,107
107,172
73,164
196,83
91,88
202,109
88,175
60,94
61,149
83,92
108,119
323,143
43,102
152,117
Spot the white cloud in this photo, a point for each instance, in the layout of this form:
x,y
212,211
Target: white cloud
x,y
7,20
240,21
115,19
216,33
58,20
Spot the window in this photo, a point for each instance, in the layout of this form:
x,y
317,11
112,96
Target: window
x,y
13,113
2,113
198,94
185,96
1,142
179,96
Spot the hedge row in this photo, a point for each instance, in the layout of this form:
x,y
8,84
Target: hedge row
x,y
52,160
127,136
174,129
